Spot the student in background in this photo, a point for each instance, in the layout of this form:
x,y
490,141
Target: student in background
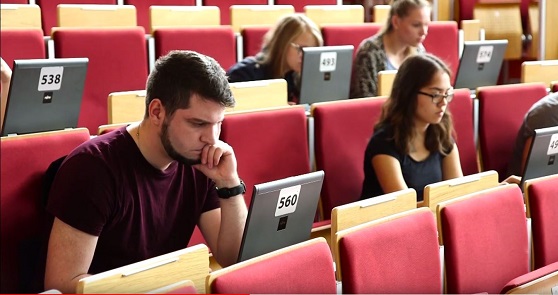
x,y
281,54
6,77
402,36
412,144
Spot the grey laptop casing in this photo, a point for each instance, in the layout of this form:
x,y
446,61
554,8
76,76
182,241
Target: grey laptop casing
x,y
474,69
539,162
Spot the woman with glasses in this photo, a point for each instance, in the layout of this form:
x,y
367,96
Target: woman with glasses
x,y
412,144
281,54
402,36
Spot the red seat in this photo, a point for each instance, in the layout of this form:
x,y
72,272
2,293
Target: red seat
x,y
14,2
49,10
442,41
299,4
25,159
342,130
349,34
497,127
22,44
461,107
541,196
252,39
531,277
217,42
142,8
117,62
224,6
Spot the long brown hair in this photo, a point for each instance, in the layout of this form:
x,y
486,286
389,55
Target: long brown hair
x,y
399,109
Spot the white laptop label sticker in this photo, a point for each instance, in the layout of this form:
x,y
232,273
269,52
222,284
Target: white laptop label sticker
x,y
328,61
485,54
553,146
50,78
288,199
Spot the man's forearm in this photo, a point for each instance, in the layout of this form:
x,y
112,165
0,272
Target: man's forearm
x,y
233,218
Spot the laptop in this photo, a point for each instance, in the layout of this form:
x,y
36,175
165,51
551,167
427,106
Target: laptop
x,y
542,159
326,73
281,214
44,95
480,63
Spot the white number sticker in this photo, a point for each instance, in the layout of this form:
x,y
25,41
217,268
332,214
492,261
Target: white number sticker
x,y
485,54
553,146
328,61
288,198
50,78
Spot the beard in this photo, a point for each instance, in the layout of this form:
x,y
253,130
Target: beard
x,y
171,151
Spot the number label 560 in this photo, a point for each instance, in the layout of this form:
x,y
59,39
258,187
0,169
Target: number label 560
x,y
287,201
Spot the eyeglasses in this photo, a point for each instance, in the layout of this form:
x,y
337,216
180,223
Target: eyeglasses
x,y
297,47
438,97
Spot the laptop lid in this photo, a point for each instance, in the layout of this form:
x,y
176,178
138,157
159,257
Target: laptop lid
x,y
44,95
326,73
480,63
542,159
281,214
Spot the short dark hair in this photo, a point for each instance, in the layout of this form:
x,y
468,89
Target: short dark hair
x,y
399,110
180,74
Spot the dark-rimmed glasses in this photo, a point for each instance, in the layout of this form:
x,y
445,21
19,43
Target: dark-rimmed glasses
x,y
438,97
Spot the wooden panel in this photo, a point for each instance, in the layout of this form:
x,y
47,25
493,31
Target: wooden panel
x,y
259,94
20,16
533,16
249,15
539,71
180,16
126,106
335,14
550,25
94,16
502,21
385,82
471,29
381,13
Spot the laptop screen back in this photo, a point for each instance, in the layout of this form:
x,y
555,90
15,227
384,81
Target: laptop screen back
x,y
44,95
326,73
543,154
281,214
480,63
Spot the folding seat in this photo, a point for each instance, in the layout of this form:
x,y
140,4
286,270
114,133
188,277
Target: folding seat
x,y
349,34
257,15
217,42
20,16
49,10
540,281
299,4
14,1
95,15
442,41
385,82
126,106
461,108
249,95
541,198
485,240
342,130
396,254
252,39
22,44
25,159
304,268
335,14
269,144
544,71
117,62
224,6
497,128
182,16
142,8
191,263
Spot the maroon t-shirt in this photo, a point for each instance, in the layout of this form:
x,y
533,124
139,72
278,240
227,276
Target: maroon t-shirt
x,y
106,188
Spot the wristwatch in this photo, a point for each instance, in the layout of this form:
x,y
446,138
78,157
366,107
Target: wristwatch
x,y
227,192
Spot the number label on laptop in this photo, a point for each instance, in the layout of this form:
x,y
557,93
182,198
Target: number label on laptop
x,y
288,198
553,146
50,78
328,61
485,54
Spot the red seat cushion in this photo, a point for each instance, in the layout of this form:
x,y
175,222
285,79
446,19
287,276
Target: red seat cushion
x,y
49,12
345,34
142,8
461,108
224,7
530,276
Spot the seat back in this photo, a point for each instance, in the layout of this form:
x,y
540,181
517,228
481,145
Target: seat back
x,y
299,4
25,159
501,20
471,29
22,44
395,254
126,106
385,82
348,34
544,71
335,14
117,62
20,16
143,9
178,16
50,14
304,268
438,192
443,42
342,130
252,39
96,15
225,7
541,197
461,108
381,13
191,263
250,15
269,144
497,129
486,231
218,42
261,94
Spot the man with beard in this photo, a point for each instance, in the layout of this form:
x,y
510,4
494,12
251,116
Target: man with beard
x,y
139,191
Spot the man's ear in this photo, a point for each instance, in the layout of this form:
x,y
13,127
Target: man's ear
x,y
156,112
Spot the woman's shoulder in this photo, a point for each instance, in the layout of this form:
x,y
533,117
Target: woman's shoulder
x,y
248,69
374,42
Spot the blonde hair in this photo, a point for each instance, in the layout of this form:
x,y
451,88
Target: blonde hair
x,y
402,8
277,41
